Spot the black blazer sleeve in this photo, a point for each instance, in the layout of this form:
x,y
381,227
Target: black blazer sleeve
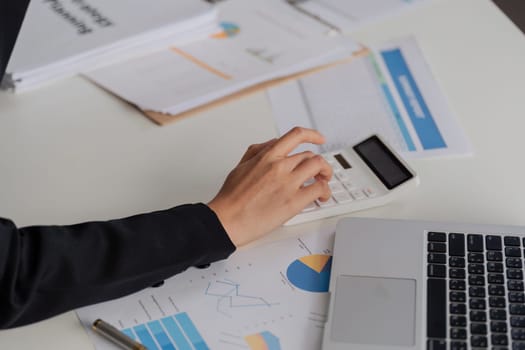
x,y
46,270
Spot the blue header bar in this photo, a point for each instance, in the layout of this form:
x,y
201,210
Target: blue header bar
x,y
413,101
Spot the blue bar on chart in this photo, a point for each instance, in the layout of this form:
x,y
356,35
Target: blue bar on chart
x,y
191,331
145,337
129,333
162,338
392,105
176,333
417,109
170,333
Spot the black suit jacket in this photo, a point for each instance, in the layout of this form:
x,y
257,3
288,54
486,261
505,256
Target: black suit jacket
x,y
46,270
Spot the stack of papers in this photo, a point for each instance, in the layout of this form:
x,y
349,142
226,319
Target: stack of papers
x,y
259,42
60,38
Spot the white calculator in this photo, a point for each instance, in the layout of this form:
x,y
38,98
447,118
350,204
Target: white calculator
x,y
366,175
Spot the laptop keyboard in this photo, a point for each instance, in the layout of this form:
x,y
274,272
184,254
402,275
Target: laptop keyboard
x,y
475,291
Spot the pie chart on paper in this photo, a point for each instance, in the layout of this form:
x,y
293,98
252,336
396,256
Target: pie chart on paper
x,y
310,273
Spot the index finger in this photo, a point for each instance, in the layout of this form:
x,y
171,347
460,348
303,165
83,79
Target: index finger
x,y
293,138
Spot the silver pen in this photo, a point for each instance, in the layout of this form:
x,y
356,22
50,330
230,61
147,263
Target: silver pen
x,y
116,336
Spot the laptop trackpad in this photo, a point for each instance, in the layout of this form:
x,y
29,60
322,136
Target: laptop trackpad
x,y
373,310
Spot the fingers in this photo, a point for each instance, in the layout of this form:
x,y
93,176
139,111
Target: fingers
x,y
254,149
293,138
317,190
307,165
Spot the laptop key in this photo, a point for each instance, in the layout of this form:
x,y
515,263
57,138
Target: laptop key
x,y
498,302
437,308
476,280
511,241
435,270
457,284
437,237
493,243
436,344
437,247
493,255
478,341
513,263
498,327
498,314
476,292
496,290
475,258
458,345
478,328
513,251
495,267
516,297
437,258
458,308
458,297
517,309
475,243
456,261
514,274
457,273
456,242
499,339
478,316
517,321
477,304
517,334
458,321
515,285
496,278
458,333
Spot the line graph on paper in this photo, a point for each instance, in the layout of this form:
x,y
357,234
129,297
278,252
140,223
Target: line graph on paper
x,y
229,297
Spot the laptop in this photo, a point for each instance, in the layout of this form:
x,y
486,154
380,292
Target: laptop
x,y
404,284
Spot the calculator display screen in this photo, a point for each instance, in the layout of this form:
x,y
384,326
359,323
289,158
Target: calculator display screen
x,y
383,163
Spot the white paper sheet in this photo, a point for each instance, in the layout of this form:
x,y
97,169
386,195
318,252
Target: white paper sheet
x,y
274,294
390,92
348,15
260,41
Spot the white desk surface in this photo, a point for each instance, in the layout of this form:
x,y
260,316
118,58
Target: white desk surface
x,y
70,152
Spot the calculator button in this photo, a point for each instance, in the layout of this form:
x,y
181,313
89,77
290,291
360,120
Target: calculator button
x,y
350,186
342,197
310,207
336,187
358,194
342,175
370,192
328,203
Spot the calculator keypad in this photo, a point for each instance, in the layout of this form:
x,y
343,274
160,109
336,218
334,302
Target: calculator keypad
x,y
345,187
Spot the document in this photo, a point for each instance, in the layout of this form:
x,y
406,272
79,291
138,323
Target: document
x,y
259,41
348,15
390,92
268,297
64,37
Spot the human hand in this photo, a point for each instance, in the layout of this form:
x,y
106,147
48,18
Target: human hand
x,y
267,187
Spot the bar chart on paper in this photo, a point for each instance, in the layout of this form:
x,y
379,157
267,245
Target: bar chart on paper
x,y
248,302
176,332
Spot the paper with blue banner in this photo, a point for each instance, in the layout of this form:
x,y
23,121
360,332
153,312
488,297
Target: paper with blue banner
x,y
391,92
